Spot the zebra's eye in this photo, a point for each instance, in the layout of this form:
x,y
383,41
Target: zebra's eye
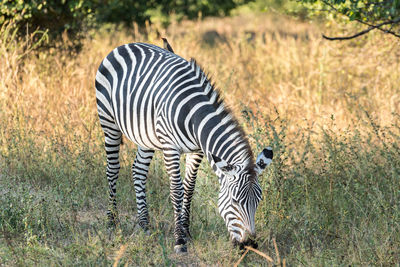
x,y
227,168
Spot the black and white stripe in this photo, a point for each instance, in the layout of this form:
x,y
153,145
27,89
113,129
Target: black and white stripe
x,y
160,101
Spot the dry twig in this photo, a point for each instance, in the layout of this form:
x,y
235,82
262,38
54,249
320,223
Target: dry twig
x,y
277,252
268,258
241,258
120,253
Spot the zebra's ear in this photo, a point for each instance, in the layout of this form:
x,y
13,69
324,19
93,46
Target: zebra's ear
x,y
224,166
263,160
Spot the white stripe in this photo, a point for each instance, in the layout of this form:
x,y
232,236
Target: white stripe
x,y
122,63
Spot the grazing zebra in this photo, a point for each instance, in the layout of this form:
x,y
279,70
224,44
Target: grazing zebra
x,y
160,101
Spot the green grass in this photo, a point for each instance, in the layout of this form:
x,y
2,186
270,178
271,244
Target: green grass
x,y
335,202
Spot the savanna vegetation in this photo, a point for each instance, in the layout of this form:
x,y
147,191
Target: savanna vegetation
x,y
330,111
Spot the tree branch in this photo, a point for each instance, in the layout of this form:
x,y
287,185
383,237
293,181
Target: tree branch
x,y
389,31
392,22
372,27
348,37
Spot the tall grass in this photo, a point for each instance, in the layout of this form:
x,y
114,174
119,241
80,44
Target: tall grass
x,y
329,110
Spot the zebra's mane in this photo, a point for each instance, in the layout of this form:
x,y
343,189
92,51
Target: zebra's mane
x,y
217,101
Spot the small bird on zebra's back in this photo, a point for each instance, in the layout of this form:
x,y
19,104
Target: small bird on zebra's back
x,y
160,101
167,46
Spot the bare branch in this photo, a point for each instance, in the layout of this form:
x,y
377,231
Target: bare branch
x,y
391,22
372,27
348,37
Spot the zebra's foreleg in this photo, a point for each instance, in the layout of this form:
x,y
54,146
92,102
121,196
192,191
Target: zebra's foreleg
x,y
171,159
140,170
112,144
192,165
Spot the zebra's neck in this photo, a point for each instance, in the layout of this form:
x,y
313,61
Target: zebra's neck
x,y
216,129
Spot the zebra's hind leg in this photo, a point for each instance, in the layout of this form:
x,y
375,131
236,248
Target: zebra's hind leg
x,y
140,169
192,166
113,140
172,162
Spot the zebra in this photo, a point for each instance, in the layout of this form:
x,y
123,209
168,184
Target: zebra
x,y
160,101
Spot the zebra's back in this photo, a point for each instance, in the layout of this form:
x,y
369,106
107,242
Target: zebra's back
x,y
133,86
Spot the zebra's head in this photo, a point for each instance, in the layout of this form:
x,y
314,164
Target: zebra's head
x,y
240,194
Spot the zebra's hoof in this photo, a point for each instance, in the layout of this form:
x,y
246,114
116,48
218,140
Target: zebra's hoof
x,y
180,249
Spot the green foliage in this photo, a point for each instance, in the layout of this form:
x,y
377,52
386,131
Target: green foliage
x,y
76,15
56,16
373,11
377,14
280,6
194,8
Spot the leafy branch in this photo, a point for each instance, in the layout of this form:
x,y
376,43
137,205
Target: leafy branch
x,y
372,27
383,15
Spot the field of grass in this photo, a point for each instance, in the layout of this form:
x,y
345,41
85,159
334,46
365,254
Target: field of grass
x,y
330,110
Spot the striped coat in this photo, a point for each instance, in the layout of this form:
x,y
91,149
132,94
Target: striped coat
x,y
160,101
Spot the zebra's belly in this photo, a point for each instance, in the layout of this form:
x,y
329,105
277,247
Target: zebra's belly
x,y
150,141
147,138
138,126
144,136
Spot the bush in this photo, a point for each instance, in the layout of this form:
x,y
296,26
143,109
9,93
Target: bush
x,y
56,16
75,16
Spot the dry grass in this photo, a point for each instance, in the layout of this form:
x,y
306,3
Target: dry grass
x,y
330,109
285,67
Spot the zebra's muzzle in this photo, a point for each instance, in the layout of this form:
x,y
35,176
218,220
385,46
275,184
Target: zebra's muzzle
x,y
248,239
249,242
